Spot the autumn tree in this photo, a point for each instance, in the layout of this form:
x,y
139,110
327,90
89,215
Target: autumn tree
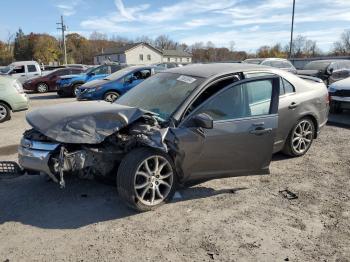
x,y
46,49
342,46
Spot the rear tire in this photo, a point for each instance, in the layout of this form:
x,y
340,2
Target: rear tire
x,y
5,112
111,96
146,179
42,88
300,138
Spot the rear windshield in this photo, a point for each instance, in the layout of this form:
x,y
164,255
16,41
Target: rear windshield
x,y
317,65
253,61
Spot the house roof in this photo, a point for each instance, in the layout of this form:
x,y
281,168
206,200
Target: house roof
x,y
178,53
126,47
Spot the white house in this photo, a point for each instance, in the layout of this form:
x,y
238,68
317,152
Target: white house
x,y
142,54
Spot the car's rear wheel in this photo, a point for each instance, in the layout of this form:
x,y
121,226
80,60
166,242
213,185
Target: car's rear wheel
x,y
42,88
111,96
300,138
146,179
5,112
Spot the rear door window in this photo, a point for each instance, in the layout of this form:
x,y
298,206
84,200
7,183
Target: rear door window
x,y
288,87
32,68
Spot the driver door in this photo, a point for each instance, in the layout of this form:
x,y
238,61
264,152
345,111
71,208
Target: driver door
x,y
245,121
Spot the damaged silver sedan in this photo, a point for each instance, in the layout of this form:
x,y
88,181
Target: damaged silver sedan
x,y
181,126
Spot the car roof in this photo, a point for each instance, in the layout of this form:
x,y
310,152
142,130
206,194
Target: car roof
x,y
209,70
24,63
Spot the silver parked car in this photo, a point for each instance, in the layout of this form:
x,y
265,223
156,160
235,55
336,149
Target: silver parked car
x,y
280,63
186,124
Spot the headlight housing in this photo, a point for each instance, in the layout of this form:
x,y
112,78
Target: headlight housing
x,y
18,86
332,89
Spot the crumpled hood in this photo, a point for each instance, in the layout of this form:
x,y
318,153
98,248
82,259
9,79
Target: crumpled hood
x,y
82,122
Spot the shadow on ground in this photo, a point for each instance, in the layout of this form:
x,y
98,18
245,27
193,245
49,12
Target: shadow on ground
x,y
35,201
43,97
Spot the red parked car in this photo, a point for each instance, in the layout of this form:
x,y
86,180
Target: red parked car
x,y
47,82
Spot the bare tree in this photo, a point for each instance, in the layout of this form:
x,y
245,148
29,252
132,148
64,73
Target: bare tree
x,y
232,46
342,46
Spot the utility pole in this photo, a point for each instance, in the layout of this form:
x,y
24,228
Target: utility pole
x,y
291,33
63,28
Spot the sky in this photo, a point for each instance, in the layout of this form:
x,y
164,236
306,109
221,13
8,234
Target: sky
x,y
249,23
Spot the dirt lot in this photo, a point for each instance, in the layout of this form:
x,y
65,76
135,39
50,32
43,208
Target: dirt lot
x,y
236,219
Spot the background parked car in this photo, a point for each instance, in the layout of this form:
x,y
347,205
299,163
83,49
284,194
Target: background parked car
x,y
280,63
47,82
23,70
114,85
329,71
67,85
12,97
339,93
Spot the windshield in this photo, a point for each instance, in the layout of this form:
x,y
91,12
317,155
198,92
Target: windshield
x,y
253,61
317,65
120,73
5,69
88,71
161,93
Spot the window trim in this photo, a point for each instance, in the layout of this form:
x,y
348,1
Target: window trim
x,y
273,105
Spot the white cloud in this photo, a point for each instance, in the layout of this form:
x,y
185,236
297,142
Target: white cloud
x,y
249,23
68,8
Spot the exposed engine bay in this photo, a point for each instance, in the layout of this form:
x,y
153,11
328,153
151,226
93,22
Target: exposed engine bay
x,y
90,160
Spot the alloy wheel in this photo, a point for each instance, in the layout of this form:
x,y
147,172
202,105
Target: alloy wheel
x,y
111,97
42,88
302,136
3,112
153,180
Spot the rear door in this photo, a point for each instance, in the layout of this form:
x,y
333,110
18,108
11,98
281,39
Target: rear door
x,y
245,123
33,70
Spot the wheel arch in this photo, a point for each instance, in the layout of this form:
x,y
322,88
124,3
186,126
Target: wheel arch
x,y
6,103
314,120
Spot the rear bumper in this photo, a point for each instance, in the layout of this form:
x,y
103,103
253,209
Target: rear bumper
x,y
21,103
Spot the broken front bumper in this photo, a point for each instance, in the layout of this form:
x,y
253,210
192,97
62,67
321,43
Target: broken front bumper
x,y
35,155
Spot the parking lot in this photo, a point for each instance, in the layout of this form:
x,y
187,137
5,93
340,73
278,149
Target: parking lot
x,y
221,220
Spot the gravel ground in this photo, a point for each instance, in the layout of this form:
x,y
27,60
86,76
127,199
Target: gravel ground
x,y
234,219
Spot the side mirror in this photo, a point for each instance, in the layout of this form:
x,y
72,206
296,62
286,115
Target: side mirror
x,y
129,80
202,120
91,74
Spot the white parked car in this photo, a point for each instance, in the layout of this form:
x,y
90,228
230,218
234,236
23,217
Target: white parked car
x,y
339,93
23,70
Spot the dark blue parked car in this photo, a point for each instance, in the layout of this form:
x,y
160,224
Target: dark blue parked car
x,y
67,85
113,86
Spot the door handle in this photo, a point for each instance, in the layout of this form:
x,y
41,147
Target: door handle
x,y
293,105
260,131
23,75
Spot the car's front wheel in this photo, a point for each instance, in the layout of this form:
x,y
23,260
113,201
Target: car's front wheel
x,y
300,138
146,179
75,89
111,96
5,112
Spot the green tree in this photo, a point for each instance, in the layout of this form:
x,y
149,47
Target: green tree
x,y
46,49
21,47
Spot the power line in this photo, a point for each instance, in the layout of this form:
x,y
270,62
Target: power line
x,y
63,28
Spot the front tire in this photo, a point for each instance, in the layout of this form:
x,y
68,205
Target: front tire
x,y
75,89
5,112
42,88
111,96
146,179
300,138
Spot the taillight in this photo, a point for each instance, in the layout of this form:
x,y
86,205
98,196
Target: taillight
x,y
328,98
